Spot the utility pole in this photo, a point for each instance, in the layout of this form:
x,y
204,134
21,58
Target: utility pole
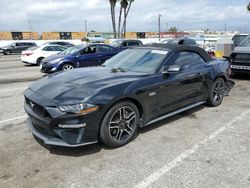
x,y
166,26
31,34
30,26
86,26
159,26
225,29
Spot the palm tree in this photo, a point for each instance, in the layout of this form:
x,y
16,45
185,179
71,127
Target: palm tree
x,y
112,10
119,22
248,7
126,8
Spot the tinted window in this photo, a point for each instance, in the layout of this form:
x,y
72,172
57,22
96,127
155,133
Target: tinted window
x,y
105,48
187,59
20,44
30,44
59,48
124,43
88,50
133,43
50,48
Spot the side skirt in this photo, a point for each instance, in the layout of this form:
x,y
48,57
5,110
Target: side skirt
x,y
174,113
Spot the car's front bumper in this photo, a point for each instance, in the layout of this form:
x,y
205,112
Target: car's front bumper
x,y
44,123
48,68
52,140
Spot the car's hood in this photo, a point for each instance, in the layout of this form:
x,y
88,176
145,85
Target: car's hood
x,y
80,84
242,49
55,56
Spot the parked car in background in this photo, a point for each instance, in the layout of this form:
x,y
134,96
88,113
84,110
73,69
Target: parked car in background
x,y
123,43
16,47
78,56
240,57
35,55
183,40
133,89
238,39
61,43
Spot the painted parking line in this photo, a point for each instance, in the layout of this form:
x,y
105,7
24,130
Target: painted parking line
x,y
12,119
13,89
178,161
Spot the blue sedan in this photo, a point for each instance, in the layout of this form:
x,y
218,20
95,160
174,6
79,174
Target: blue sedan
x,y
78,56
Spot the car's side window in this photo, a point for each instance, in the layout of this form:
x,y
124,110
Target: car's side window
x,y
133,43
124,44
48,48
89,50
186,59
105,49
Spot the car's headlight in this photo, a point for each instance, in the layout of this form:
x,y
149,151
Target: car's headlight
x,y
82,108
55,61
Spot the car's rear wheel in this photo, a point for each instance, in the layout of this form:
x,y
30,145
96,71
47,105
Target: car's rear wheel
x,y
120,124
39,60
67,66
7,52
217,92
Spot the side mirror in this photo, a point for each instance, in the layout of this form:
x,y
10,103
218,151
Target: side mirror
x,y
172,69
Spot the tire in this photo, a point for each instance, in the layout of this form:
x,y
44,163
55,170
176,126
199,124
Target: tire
x,y
120,124
38,61
217,92
67,67
7,52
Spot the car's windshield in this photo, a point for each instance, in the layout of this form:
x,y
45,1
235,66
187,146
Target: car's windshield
x,y
71,50
116,43
245,42
137,60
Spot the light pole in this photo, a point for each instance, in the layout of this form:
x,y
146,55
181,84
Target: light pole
x,y
86,26
159,27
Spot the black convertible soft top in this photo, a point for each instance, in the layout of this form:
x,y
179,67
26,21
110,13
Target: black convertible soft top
x,y
179,48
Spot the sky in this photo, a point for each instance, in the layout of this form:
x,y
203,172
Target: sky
x,y
69,15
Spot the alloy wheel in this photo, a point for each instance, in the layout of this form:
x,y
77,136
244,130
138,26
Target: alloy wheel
x,y
219,91
67,67
122,124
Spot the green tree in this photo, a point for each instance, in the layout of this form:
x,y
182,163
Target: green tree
x,y
248,7
173,29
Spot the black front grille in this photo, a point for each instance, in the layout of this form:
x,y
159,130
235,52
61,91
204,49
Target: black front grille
x,y
37,109
241,59
45,131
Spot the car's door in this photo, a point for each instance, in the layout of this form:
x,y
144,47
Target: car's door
x,y
88,57
49,50
20,47
104,53
185,87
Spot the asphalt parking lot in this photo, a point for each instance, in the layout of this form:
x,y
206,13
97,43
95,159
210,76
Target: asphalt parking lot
x,y
203,147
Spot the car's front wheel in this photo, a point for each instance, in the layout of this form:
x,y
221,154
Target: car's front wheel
x,y
39,60
7,52
217,92
120,124
67,66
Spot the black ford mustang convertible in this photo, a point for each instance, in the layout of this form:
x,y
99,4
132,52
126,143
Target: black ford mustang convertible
x,y
135,88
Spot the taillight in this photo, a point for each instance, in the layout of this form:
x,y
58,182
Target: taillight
x,y
211,53
28,54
